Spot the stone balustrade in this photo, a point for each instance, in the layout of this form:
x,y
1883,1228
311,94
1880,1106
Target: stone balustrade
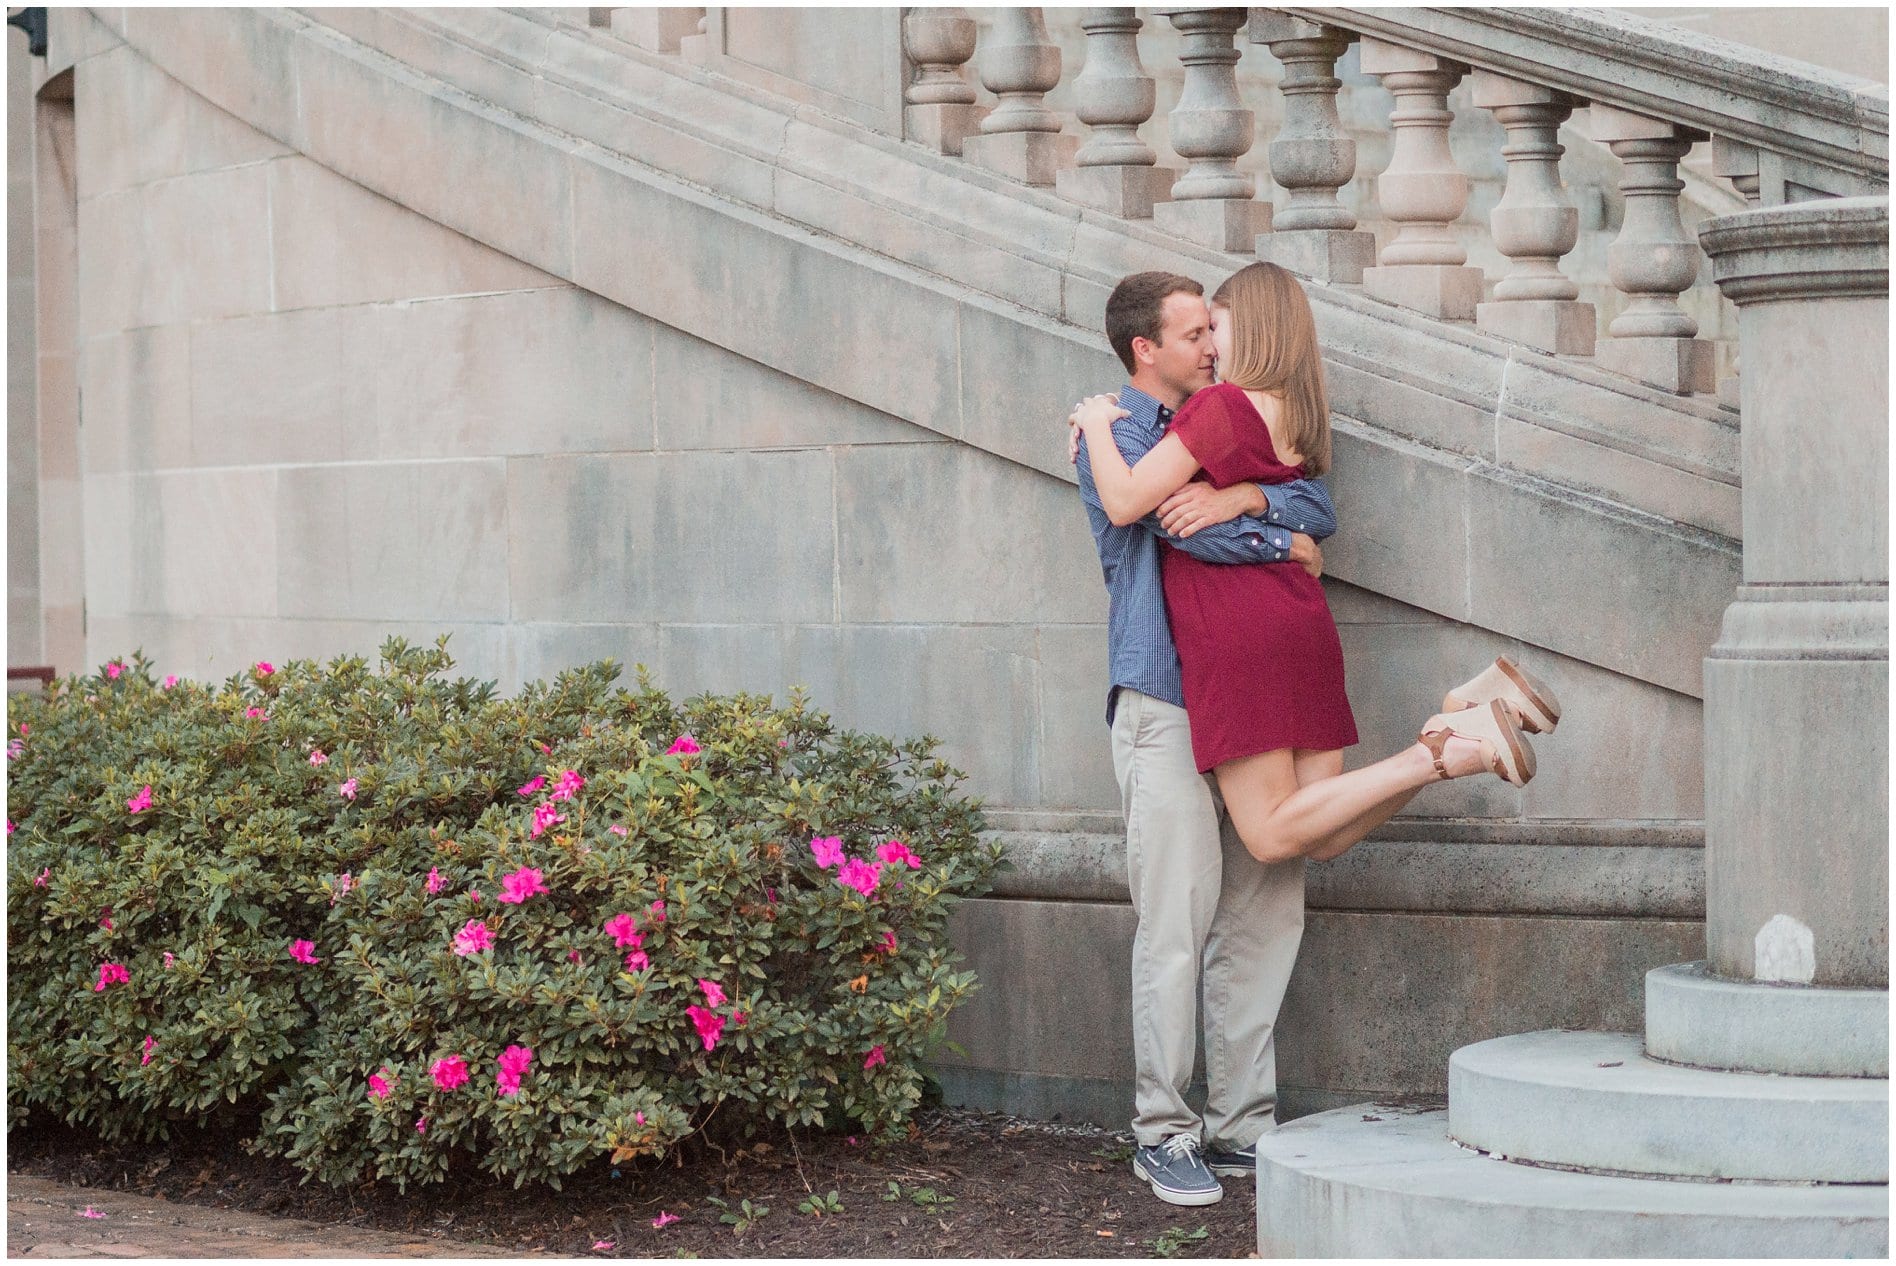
x,y
1770,144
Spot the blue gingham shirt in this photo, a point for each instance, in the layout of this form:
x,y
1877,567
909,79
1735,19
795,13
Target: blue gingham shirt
x,y
1138,635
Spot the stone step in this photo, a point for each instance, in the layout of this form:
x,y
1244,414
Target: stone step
x,y
1376,1181
1594,1101
1694,1017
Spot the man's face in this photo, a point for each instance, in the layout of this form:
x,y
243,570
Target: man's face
x,y
1184,359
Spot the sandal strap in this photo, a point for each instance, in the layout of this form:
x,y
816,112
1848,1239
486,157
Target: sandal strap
x,y
1436,741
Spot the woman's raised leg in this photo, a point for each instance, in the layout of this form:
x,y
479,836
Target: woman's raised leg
x,y
1314,766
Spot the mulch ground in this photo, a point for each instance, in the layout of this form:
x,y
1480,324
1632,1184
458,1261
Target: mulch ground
x,y
964,1184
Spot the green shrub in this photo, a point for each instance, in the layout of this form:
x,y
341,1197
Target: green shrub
x,y
285,941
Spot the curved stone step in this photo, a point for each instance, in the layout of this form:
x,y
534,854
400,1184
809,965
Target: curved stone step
x,y
1594,1101
1694,1017
1341,1184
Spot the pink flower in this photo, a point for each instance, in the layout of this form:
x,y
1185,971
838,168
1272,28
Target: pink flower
x,y
770,895
150,1042
113,669
317,758
111,974
683,745
170,958
421,1125
896,851
713,994
512,1065
639,1117
569,782
523,883
449,1072
15,749
105,918
853,1141
379,1083
340,889
472,938
9,826
44,875
658,912
602,1246
304,951
265,668
90,1212
531,787
828,850
256,712
862,876
664,1219
140,802
738,1018
624,930
545,815
709,1023
348,789
435,882
616,830
545,749
888,942
474,895
636,960
875,1057
171,681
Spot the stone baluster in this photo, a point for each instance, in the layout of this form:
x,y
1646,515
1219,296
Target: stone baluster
x,y
656,30
1213,203
1653,260
938,108
1312,157
1737,162
695,47
1021,138
1535,223
1115,171
1425,266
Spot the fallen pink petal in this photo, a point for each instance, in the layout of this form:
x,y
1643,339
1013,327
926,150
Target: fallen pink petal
x,y
602,1246
90,1212
664,1219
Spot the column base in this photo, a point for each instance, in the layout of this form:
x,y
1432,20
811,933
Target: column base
x,y
1029,157
1707,1021
1448,292
1683,366
1332,255
1127,192
1564,327
1224,224
942,128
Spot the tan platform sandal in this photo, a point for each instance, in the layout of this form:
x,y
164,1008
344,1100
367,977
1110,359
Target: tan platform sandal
x,y
1530,697
1494,727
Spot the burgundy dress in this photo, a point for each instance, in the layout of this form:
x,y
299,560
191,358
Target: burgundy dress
x,y
1262,664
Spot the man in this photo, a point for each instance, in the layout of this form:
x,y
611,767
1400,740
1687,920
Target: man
x,y
1200,899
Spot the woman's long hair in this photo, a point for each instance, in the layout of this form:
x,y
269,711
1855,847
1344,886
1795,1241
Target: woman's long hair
x,y
1274,349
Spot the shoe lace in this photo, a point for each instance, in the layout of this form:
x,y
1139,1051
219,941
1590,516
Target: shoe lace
x,y
1180,1147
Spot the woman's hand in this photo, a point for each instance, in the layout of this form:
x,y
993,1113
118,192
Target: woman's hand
x,y
1107,407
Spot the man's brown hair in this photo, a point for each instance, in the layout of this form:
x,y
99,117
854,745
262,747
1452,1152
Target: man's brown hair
x,y
1136,309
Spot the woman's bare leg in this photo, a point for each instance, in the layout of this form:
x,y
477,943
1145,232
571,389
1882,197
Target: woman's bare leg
x,y
1278,819
1314,765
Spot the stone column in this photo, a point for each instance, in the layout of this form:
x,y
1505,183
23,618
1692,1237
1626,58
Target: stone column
x,y
1797,686
1021,138
1312,157
1424,267
656,30
938,108
1534,224
1115,171
1652,260
1214,203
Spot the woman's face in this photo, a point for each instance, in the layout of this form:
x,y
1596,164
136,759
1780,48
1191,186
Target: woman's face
x,y
1221,338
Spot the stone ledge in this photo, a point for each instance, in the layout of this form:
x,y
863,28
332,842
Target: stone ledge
x,y
1696,1018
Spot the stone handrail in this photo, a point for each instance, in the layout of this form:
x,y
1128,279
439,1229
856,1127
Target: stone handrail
x,y
1829,131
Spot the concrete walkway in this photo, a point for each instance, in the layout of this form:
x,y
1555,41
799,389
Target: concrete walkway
x,y
45,1219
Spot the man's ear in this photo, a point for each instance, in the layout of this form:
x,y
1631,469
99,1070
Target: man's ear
x,y
1142,350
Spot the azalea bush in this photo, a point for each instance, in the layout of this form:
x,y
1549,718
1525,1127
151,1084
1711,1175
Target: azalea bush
x,y
404,925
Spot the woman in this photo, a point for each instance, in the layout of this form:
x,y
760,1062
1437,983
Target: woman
x,y
1263,667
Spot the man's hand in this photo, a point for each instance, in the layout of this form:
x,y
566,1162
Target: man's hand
x,y
1199,505
1304,552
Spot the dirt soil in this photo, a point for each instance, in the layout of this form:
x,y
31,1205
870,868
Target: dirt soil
x,y
964,1184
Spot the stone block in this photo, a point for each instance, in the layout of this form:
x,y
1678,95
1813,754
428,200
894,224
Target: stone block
x,y
395,541
211,648
1224,224
1559,326
216,536
541,651
54,404
1393,500
334,242
943,128
657,30
526,372
137,393
1351,605
1127,192
643,538
137,124
1625,749
1078,768
1018,381
175,251
237,59
274,389
722,659
1328,255
1697,495
1682,366
1397,403
972,686
709,397
1445,292
896,505
1380,57
1029,157
122,574
1605,124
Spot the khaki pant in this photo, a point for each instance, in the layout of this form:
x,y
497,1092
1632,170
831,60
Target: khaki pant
x,y
1200,900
